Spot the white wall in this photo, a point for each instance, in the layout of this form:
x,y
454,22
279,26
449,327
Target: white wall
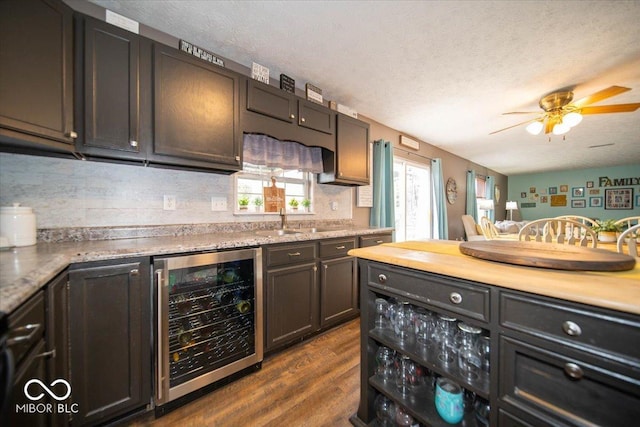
x,y
73,193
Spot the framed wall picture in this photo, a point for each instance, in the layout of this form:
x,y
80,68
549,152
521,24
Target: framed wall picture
x,y
577,191
532,189
595,202
618,198
544,199
589,184
553,190
559,200
578,203
564,188
523,195
638,200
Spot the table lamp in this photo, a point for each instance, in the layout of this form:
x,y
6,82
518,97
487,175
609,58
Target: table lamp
x,y
512,206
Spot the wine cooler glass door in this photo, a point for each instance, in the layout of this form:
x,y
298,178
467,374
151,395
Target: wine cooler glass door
x,y
210,318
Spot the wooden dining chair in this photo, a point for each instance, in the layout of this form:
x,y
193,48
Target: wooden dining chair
x,y
628,222
631,234
560,231
583,219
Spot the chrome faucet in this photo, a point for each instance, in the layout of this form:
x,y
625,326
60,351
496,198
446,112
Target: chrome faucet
x,y
283,218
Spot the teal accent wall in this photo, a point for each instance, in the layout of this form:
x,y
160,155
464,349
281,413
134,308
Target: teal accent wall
x,y
539,188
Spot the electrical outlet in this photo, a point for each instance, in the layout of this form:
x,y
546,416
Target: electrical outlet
x,y
334,206
169,203
218,204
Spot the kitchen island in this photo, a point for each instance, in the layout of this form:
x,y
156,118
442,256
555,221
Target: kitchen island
x,y
565,345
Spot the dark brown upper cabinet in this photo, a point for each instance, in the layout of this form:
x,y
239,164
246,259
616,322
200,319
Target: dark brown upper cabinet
x,y
285,116
36,75
196,121
349,164
110,81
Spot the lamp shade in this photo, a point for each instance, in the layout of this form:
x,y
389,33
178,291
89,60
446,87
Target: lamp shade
x,y
485,204
561,128
512,206
572,119
535,128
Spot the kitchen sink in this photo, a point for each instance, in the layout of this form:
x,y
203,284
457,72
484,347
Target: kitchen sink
x,y
277,232
317,229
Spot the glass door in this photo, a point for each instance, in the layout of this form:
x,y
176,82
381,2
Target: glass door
x,y
412,188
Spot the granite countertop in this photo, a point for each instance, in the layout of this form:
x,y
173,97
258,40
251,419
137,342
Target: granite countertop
x,y
25,270
614,290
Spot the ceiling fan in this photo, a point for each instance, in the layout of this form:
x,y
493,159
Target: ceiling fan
x,y
560,114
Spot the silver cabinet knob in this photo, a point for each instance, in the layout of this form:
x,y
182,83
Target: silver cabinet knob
x,y
134,272
303,120
455,298
571,328
134,143
71,134
382,278
574,371
292,116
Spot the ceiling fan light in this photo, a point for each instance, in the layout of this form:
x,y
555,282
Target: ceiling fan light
x,y
535,128
561,128
572,119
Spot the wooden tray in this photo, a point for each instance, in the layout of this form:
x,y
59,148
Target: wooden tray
x,y
548,255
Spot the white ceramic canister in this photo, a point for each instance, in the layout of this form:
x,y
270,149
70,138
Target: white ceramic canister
x,y
18,225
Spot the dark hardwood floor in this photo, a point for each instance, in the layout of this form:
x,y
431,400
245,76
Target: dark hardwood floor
x,y
313,384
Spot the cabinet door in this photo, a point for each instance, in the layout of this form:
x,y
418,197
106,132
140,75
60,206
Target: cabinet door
x,y
111,86
195,116
352,150
349,165
315,116
110,339
36,75
338,290
57,337
272,102
292,304
33,367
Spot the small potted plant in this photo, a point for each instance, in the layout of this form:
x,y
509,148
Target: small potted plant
x,y
607,230
243,202
257,202
294,204
306,203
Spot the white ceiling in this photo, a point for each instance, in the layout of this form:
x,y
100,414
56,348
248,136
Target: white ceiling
x,y
441,71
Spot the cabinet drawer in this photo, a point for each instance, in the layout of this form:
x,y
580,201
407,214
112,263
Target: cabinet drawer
x,y
336,248
289,254
577,390
26,327
377,239
597,331
455,295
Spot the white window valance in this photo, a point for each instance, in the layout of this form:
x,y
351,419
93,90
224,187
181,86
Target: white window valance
x,y
259,149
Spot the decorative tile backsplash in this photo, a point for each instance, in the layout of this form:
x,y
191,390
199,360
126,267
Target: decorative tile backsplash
x,y
67,193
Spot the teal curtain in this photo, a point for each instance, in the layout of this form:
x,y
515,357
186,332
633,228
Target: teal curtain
x,y
472,203
382,212
490,194
439,224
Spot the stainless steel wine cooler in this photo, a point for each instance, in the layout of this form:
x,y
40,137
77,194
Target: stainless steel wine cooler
x,y
209,309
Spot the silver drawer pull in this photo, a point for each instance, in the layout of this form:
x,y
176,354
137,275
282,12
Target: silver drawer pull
x,y
455,298
294,254
379,241
292,116
135,272
571,328
382,278
134,143
71,134
302,120
340,247
574,371
33,327
51,353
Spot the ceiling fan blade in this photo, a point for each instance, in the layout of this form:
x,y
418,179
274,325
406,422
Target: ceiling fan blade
x,y
521,112
599,96
519,124
617,108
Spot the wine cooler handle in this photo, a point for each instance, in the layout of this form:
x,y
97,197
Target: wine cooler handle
x,y
159,362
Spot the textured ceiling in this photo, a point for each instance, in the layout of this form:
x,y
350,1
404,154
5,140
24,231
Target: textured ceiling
x,y
441,71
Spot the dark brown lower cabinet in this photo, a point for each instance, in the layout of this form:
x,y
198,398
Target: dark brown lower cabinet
x,y
110,339
292,303
57,339
553,362
338,290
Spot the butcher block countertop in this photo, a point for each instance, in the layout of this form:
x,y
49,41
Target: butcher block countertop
x,y
614,290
